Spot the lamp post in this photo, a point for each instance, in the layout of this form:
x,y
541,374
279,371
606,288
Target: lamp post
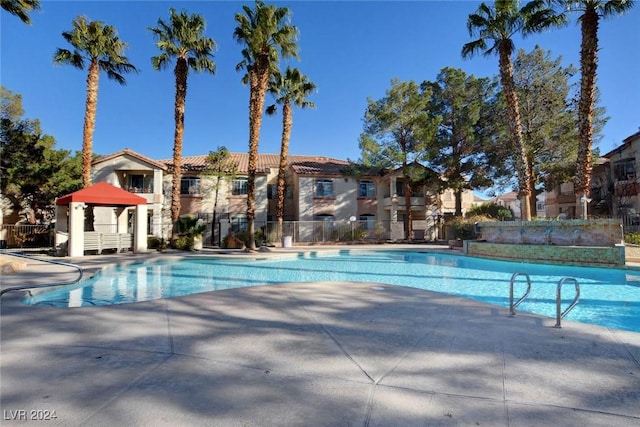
x,y
584,201
435,216
352,220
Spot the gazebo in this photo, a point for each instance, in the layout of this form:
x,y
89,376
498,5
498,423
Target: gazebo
x,y
70,220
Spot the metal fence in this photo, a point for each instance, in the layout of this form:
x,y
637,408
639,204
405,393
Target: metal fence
x,y
27,237
630,223
325,231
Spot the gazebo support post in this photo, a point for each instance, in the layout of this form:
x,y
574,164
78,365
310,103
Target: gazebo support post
x,y
140,230
76,229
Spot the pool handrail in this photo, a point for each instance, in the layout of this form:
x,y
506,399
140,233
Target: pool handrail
x,y
559,313
512,305
49,285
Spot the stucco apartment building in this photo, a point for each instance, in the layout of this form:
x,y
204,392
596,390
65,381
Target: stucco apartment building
x,y
615,185
318,189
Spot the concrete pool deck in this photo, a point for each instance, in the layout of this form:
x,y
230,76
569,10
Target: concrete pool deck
x,y
307,354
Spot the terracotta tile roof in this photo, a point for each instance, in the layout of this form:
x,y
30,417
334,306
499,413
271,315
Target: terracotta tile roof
x,y
311,165
303,165
131,153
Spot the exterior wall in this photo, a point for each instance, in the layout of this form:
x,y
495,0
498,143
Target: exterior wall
x,y
569,255
366,206
626,191
262,202
561,201
342,205
106,171
346,202
308,205
114,171
599,232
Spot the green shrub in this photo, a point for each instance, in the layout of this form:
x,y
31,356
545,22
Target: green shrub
x,y
185,243
360,234
491,210
191,225
632,238
341,232
464,228
243,236
157,243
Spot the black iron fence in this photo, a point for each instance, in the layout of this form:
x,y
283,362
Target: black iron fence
x,y
27,237
325,231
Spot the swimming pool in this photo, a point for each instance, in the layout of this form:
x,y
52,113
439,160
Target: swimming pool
x,y
609,297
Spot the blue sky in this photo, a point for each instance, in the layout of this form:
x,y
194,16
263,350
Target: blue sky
x,y
350,49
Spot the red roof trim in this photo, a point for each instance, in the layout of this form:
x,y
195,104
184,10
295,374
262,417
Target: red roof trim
x,y
104,194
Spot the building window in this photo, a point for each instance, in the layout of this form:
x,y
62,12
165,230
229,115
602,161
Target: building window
x,y
367,222
140,183
238,222
540,206
190,185
625,170
566,189
327,219
324,188
367,189
239,187
272,192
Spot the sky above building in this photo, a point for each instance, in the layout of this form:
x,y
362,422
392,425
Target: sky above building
x,y
350,49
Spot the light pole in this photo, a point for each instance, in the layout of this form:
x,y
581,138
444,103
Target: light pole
x,y
584,201
435,216
352,220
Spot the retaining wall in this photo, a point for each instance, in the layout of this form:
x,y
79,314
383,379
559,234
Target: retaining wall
x,y
571,242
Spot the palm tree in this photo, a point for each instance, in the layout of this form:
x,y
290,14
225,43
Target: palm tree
x,y
99,46
21,8
267,36
591,12
290,89
494,28
183,39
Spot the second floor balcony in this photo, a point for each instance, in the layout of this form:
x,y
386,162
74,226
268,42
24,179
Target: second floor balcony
x,y
417,201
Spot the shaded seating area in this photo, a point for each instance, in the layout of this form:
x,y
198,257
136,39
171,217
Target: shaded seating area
x,y
99,242
71,237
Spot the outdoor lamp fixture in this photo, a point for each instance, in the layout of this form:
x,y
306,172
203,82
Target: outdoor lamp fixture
x,y
585,200
352,220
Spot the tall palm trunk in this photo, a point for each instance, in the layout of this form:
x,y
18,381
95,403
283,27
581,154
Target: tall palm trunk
x,y
259,78
91,106
287,121
89,121
513,116
181,95
588,65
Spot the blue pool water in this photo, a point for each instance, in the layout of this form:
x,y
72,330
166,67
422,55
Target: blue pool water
x,y
609,297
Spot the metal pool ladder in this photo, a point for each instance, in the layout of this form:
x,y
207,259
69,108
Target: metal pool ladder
x,y
559,313
512,305
25,287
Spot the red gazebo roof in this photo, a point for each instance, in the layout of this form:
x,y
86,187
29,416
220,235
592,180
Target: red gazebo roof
x,y
103,194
